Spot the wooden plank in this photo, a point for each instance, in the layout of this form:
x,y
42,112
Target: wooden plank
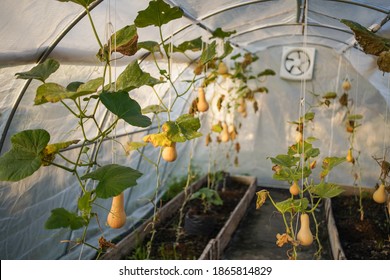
x,y
334,239
216,246
129,243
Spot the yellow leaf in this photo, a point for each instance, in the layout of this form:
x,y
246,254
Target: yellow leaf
x,y
261,198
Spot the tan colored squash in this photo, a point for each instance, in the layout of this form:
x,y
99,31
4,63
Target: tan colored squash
x,y
222,68
294,189
225,133
202,105
350,156
242,106
346,85
380,195
117,216
304,235
169,153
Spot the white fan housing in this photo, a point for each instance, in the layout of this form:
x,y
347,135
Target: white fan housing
x,y
297,63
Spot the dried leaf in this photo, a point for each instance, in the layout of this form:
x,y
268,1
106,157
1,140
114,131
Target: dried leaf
x,y
261,198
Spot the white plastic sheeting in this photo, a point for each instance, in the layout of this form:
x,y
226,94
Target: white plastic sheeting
x,y
32,27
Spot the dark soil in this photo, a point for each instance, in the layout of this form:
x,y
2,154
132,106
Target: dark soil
x,y
191,246
362,240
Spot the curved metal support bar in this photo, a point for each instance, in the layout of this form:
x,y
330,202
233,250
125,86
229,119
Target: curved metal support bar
x,y
41,59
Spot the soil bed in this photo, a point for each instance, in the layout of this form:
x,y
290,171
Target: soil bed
x,y
191,246
255,238
362,240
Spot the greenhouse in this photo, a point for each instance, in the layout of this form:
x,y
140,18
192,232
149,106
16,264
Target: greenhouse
x,y
135,129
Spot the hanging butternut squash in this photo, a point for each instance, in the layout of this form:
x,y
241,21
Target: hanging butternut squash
x,y
117,216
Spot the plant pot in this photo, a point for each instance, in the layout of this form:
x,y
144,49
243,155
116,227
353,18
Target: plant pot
x,y
351,237
216,242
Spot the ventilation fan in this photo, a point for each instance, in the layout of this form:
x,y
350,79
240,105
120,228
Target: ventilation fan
x,y
297,63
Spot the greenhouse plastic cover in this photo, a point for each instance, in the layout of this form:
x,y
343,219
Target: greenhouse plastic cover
x,y
31,31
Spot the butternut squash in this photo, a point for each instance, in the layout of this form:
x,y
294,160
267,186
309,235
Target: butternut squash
x,y
294,189
169,153
346,85
304,235
350,156
117,216
202,105
380,195
225,133
222,68
242,105
299,137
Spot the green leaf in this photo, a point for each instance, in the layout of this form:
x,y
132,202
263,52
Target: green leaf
x,y
73,86
120,104
184,128
219,33
308,116
234,57
292,205
193,45
41,71
266,72
326,190
25,156
133,77
52,92
113,179
208,53
85,204
216,128
62,218
157,13
155,109
330,95
227,49
125,40
285,160
151,46
369,41
355,117
329,163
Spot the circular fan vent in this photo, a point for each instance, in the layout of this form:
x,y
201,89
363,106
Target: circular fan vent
x,y
297,63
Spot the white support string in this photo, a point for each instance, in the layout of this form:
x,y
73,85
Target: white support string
x,y
386,118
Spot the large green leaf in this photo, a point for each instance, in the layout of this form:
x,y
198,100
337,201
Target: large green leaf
x,y
84,3
25,156
133,77
208,53
368,40
184,128
120,104
52,92
123,41
113,179
62,218
326,190
157,13
41,71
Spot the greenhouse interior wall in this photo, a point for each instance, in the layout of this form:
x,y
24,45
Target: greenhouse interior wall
x,y
52,29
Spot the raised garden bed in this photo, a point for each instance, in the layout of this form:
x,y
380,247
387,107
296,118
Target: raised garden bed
x,y
236,194
353,238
